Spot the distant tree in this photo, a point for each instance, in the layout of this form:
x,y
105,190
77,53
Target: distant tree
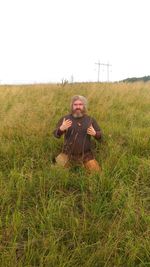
x,y
64,82
135,79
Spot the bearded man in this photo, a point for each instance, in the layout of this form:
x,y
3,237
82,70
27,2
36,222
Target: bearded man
x,y
78,127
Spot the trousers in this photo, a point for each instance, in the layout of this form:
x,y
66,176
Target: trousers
x,y
91,165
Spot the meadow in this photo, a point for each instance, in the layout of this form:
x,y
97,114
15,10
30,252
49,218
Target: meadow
x,y
55,217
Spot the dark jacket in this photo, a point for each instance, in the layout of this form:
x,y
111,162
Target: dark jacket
x,y
76,140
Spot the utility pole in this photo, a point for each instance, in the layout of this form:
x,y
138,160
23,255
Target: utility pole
x,y
106,65
98,63
72,79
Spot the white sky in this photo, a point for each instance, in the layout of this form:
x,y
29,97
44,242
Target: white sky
x,y
47,40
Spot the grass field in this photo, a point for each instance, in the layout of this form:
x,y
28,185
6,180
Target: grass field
x,y
54,217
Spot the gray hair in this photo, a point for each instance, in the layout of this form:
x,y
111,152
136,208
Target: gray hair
x,y
79,97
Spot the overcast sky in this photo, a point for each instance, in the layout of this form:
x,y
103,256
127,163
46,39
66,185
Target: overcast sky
x,y
48,40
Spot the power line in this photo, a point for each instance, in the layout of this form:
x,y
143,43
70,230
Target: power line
x,y
99,68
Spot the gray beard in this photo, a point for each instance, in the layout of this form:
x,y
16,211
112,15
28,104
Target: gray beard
x,y
77,115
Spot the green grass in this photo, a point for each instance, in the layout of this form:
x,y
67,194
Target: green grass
x,y
55,217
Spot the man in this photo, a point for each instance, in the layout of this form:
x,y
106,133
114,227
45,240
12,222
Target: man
x,y
78,128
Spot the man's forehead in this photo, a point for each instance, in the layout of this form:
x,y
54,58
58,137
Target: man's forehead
x,y
78,102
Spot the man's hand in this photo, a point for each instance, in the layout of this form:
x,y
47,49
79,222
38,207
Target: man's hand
x,y
65,124
91,131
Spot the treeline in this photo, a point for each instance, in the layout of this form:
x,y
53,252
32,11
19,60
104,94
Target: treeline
x,y
135,79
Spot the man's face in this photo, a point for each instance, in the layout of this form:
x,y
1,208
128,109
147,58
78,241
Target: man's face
x,y
78,108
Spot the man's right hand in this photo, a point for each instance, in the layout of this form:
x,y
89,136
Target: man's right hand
x,y
65,124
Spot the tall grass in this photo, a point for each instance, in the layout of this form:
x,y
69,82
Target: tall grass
x,y
54,217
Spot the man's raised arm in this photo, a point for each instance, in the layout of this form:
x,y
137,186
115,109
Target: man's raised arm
x,y
62,126
98,130
57,132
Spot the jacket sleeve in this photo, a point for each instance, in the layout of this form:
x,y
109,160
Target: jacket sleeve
x,y
98,130
57,132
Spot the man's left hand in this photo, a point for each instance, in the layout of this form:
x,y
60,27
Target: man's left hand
x,y
91,131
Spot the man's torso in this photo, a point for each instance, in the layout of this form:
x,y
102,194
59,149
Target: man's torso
x,y
76,140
